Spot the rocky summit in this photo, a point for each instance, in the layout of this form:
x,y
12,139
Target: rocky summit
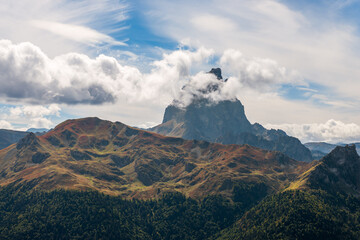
x,y
336,172
225,122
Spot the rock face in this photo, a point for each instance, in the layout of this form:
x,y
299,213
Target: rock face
x,y
225,122
338,171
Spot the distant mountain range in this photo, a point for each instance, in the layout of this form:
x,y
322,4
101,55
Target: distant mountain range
x,y
37,130
320,149
8,137
225,122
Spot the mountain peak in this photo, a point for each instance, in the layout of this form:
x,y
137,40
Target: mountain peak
x,y
224,122
28,140
336,172
342,156
217,73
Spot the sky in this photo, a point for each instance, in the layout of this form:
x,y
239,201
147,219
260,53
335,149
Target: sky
x,y
294,65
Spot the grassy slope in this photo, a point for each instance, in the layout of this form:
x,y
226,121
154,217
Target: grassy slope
x,y
119,160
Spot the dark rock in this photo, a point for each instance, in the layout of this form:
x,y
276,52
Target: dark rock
x,y
147,174
338,171
189,167
39,157
121,161
216,72
77,155
29,141
131,131
232,165
54,141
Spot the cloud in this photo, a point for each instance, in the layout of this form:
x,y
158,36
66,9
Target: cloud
x,y
40,123
208,22
5,125
258,73
331,131
77,79
76,33
35,111
321,47
29,116
62,26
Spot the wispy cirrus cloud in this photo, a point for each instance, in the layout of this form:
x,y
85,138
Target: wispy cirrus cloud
x,y
61,26
76,33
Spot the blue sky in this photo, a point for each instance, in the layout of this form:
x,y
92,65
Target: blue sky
x,y
295,65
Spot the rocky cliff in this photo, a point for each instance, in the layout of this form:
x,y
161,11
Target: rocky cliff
x,y
225,122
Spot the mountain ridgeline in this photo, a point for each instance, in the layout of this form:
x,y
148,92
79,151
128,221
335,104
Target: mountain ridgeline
x,y
225,122
90,178
93,154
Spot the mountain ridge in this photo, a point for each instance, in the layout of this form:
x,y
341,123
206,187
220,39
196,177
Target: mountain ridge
x,y
120,160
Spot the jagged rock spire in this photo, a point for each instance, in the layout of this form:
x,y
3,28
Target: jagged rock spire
x,y
217,73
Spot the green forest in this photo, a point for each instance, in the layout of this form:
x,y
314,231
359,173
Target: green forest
x,y
63,214
26,213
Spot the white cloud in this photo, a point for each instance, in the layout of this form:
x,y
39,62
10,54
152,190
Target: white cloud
x,y
257,73
35,111
40,123
331,131
75,78
22,117
78,79
322,49
5,125
76,33
209,22
61,26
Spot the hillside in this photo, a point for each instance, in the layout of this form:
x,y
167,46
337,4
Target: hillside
x,y
185,189
336,172
225,122
119,160
323,203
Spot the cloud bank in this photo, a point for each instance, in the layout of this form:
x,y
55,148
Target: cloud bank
x,y
5,125
78,79
331,131
35,116
28,75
